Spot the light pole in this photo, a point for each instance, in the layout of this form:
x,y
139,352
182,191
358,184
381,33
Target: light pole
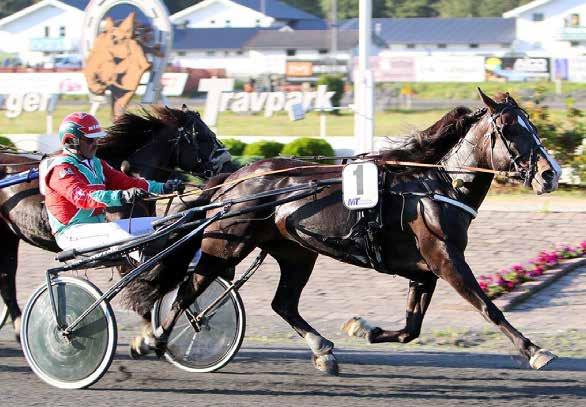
x,y
364,83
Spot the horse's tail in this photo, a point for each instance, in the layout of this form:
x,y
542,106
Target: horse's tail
x,y
142,293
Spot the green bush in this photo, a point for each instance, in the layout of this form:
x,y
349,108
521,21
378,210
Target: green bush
x,y
243,160
335,83
306,146
6,142
234,146
266,149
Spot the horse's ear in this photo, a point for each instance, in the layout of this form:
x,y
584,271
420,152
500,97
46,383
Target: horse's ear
x,y
127,26
107,25
491,104
510,99
184,108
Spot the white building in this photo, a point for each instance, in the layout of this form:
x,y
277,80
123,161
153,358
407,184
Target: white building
x,y
554,28
45,28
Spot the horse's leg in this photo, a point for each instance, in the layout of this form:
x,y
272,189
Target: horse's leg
x,y
144,343
418,299
296,264
8,266
205,272
448,262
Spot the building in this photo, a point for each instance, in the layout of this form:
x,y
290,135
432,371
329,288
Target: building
x,y
46,28
553,28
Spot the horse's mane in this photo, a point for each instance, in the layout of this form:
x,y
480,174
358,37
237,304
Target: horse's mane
x,y
131,131
431,144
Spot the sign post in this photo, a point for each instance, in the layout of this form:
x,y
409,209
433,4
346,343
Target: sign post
x,y
364,83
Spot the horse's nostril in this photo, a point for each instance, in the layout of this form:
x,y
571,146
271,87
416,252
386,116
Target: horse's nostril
x,y
548,176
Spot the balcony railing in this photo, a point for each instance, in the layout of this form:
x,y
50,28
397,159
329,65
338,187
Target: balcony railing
x,y
48,44
572,34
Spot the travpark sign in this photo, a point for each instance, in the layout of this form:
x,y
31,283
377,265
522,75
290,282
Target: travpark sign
x,y
221,97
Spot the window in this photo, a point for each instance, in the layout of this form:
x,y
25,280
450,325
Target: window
x,y
538,17
322,51
210,53
62,31
411,46
47,32
291,52
473,45
212,21
258,22
239,52
181,53
506,45
226,53
228,22
574,43
442,45
575,20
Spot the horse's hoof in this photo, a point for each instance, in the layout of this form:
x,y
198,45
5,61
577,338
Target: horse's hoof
x,y
541,358
357,327
326,363
138,348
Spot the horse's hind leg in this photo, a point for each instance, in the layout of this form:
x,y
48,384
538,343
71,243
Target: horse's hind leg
x,y
449,263
296,264
205,272
8,266
418,299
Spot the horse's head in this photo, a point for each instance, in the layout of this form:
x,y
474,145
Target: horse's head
x,y
197,147
513,144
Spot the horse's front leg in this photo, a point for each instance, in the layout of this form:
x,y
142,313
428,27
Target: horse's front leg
x,y
418,299
448,262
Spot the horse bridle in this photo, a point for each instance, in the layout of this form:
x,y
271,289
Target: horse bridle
x,y
528,171
217,157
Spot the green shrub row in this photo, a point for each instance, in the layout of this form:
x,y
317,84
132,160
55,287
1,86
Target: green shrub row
x,y
304,146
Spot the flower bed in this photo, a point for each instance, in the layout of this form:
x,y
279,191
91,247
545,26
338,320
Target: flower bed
x,y
507,279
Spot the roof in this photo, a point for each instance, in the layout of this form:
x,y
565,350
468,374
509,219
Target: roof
x,y
314,24
79,4
277,9
272,8
526,7
305,39
37,6
212,38
483,30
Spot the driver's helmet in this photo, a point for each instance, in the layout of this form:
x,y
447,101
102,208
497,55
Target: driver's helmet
x,y
77,125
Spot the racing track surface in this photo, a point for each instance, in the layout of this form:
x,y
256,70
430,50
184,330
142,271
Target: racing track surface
x,y
276,375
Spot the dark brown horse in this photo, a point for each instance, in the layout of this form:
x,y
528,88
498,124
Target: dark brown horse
x,y
419,229
152,143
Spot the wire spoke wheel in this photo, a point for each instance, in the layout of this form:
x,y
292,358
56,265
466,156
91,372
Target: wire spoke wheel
x,y
81,358
221,334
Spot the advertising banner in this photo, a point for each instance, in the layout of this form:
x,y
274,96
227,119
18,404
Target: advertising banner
x,y
74,83
512,69
449,69
387,68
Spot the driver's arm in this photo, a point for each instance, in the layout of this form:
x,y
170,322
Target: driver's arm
x,y
118,180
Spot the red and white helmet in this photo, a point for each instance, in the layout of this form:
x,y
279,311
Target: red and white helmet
x,y
77,125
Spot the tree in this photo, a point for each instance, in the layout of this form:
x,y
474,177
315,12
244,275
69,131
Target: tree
x,y
349,8
311,6
12,6
411,8
457,8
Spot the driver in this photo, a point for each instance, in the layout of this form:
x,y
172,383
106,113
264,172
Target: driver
x,y
78,187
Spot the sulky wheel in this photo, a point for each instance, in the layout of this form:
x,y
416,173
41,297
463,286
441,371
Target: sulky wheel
x,y
220,335
76,361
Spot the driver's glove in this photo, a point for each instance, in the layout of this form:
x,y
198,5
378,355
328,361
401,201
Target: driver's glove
x,y
131,194
173,185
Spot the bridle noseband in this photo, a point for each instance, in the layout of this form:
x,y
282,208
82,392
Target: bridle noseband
x,y
189,133
526,171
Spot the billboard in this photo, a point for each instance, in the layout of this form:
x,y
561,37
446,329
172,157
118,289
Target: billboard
x,y
513,69
449,69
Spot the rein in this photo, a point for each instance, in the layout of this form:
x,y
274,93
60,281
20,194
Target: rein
x,y
511,174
